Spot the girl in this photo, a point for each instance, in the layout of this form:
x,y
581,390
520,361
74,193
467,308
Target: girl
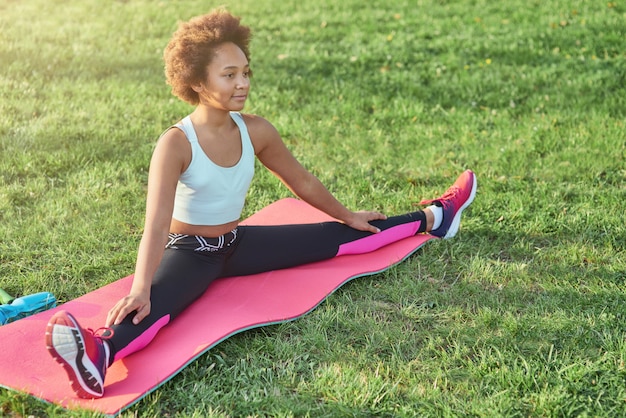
x,y
200,172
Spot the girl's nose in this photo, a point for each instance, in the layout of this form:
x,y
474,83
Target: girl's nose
x,y
242,82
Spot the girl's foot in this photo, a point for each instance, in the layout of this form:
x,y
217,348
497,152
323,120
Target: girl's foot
x,y
453,202
83,354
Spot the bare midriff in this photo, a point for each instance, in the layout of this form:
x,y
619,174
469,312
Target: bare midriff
x,y
209,231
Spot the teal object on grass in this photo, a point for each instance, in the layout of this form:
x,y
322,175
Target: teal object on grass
x,y
25,306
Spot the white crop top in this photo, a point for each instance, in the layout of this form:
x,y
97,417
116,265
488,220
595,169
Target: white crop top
x,y
207,193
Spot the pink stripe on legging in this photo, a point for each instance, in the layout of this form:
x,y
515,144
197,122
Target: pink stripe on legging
x,y
376,241
144,339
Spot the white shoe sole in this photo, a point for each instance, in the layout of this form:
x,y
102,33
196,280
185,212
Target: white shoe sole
x,y
68,349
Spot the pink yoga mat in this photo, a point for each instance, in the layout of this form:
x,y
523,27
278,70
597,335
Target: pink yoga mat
x,y
230,306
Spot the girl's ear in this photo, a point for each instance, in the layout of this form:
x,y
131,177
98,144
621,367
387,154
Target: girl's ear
x,y
197,87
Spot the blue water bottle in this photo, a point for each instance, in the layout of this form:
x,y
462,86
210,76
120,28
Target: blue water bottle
x,y
25,306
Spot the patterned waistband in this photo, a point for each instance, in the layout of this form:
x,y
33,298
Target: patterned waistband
x,y
198,243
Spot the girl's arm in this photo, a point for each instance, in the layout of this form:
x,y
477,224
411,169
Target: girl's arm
x,y
272,152
168,161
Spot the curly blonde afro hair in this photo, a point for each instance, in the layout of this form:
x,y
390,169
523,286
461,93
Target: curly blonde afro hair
x,y
193,46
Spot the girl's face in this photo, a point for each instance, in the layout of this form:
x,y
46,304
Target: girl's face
x,y
227,83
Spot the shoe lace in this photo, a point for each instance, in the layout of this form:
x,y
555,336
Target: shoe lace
x,y
104,333
444,199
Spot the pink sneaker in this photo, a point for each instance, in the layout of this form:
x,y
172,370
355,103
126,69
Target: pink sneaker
x,y
81,352
453,202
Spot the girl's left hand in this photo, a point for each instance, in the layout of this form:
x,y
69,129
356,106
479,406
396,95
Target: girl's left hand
x,y
361,220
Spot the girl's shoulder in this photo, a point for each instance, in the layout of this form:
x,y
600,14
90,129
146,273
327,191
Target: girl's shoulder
x,y
255,121
173,136
173,144
258,125
262,132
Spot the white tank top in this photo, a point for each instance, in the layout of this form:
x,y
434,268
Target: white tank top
x,y
207,193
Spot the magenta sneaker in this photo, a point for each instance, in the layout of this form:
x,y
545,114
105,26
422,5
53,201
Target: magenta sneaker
x,y
453,202
81,352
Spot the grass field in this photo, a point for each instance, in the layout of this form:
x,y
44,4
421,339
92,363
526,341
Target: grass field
x,y
521,315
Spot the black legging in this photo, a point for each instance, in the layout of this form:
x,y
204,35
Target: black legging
x,y
191,263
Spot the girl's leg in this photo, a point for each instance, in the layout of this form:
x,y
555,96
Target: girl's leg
x,y
264,248
183,275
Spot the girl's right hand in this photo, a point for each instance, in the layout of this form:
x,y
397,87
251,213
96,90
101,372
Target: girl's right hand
x,y
133,302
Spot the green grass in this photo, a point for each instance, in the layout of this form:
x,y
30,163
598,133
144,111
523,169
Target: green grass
x,y
521,315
